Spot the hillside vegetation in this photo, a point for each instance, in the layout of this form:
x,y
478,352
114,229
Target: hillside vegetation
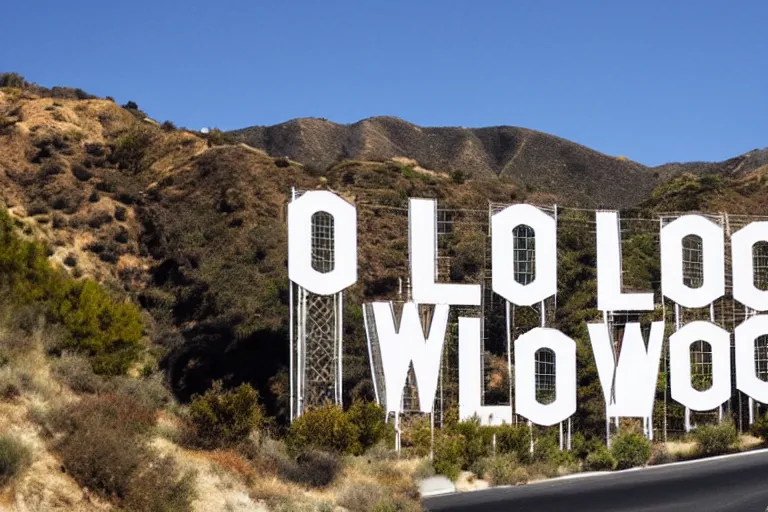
x,y
144,266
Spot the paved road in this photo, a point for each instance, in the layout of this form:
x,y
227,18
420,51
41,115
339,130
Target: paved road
x,y
733,483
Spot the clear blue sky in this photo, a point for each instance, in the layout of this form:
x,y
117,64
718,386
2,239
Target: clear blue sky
x,y
656,81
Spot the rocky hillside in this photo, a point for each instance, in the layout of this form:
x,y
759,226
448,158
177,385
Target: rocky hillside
x,y
192,226
537,160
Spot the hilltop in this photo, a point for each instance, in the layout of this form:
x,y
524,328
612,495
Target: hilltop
x,y
579,175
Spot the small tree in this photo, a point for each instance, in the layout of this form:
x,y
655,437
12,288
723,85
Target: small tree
x,y
325,428
630,450
221,418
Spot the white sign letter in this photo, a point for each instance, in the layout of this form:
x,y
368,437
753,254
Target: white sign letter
x,y
680,365
672,261
564,349
470,375
609,294
503,254
742,243
422,222
746,377
400,347
633,382
300,271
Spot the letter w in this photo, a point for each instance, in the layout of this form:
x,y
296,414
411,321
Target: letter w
x,y
406,345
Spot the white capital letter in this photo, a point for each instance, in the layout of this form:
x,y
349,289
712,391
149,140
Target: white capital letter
x,y
746,377
564,349
300,269
470,373
633,382
503,254
742,243
609,294
680,366
422,221
400,347
672,261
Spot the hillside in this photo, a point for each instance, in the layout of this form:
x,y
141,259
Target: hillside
x,y
190,228
539,161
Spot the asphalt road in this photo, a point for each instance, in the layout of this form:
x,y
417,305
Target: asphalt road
x,y
730,483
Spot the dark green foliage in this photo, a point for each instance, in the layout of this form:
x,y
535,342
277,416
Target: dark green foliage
x,y
716,439
476,440
14,457
168,126
600,460
368,417
458,177
81,173
514,439
222,418
449,454
120,213
131,105
131,150
326,428
630,450
97,325
282,162
760,428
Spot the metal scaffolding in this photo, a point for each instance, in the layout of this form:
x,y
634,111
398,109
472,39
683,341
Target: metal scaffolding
x,y
316,329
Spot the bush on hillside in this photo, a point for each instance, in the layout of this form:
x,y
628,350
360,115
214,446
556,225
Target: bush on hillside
x,y
504,469
95,324
514,439
368,417
106,330
716,439
325,428
630,450
222,418
131,149
600,460
477,440
760,428
14,456
448,455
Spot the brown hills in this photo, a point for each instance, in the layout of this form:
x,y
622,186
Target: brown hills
x,y
192,226
534,159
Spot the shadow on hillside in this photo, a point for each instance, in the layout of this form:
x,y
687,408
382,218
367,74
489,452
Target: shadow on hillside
x,y
214,353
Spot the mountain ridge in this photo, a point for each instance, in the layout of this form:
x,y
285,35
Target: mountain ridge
x,y
537,159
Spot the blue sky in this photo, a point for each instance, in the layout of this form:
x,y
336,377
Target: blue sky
x,y
656,81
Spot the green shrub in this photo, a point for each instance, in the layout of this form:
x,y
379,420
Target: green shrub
x,y
477,440
716,439
416,435
514,439
502,470
221,418
368,417
14,457
449,454
106,330
760,428
160,487
600,460
325,428
96,324
131,149
630,450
